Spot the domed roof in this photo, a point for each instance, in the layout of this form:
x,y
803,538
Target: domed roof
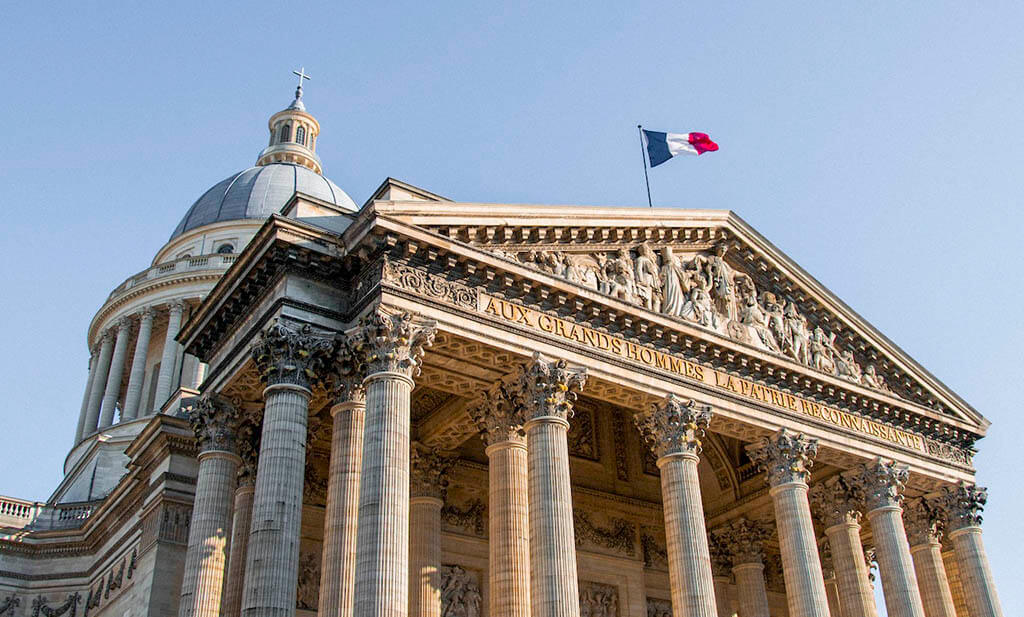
x,y
258,192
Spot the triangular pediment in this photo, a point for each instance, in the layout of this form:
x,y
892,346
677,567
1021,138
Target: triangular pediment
x,y
706,268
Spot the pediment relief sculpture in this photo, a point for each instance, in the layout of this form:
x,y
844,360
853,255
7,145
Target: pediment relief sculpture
x,y
702,288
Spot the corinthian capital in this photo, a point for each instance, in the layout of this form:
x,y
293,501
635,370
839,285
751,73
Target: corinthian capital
x,y
215,422
881,483
744,539
499,414
922,519
721,560
785,456
290,353
393,342
345,377
249,451
836,501
547,388
674,426
963,504
428,471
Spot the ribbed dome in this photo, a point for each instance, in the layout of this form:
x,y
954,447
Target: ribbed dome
x,y
258,192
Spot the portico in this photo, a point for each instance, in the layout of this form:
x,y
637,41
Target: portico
x,y
533,354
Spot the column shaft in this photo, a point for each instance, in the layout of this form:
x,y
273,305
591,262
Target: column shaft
x,y
97,384
801,568
975,574
723,601
206,556
80,429
932,580
338,570
133,395
113,389
169,357
425,557
509,539
852,583
689,561
832,591
237,550
272,560
553,583
382,557
899,586
751,590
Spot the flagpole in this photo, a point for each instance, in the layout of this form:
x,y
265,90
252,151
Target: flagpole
x,y
643,156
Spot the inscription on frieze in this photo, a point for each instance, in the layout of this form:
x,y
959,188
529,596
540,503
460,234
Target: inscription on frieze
x,y
650,357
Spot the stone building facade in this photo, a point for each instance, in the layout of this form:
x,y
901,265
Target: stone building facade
x,y
431,408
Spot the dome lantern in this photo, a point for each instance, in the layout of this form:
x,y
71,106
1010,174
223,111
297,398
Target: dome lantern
x,y
293,134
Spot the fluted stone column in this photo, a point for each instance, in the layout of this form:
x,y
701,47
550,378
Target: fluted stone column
x,y
169,357
744,540
828,571
500,418
547,389
882,483
674,428
84,412
133,395
963,505
289,357
216,424
338,567
721,575
923,523
241,522
113,387
98,383
787,458
837,503
429,470
392,347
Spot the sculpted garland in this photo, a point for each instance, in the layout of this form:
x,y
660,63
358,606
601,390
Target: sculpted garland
x,y
705,290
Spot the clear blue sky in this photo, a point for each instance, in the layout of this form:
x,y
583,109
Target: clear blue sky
x,y
877,144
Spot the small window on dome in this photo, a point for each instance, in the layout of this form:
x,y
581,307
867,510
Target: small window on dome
x,y
300,135
286,133
226,249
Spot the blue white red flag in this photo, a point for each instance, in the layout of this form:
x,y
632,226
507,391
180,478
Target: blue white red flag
x,y
663,146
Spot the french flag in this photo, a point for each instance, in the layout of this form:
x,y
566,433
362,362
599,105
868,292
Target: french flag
x,y
663,146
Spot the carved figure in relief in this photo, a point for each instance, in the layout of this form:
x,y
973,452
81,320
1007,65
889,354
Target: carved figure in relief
x,y
619,276
750,312
673,295
847,367
722,285
460,594
776,321
648,283
872,379
823,351
799,337
699,309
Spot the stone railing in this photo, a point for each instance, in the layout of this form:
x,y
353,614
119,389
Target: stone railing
x,y
18,513
215,261
33,515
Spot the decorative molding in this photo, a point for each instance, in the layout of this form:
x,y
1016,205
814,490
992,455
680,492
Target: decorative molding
x,y
655,553
460,592
8,605
621,453
430,285
41,608
657,607
620,537
472,517
583,432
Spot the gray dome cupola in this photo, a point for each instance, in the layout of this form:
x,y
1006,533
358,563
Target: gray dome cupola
x,y
288,165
